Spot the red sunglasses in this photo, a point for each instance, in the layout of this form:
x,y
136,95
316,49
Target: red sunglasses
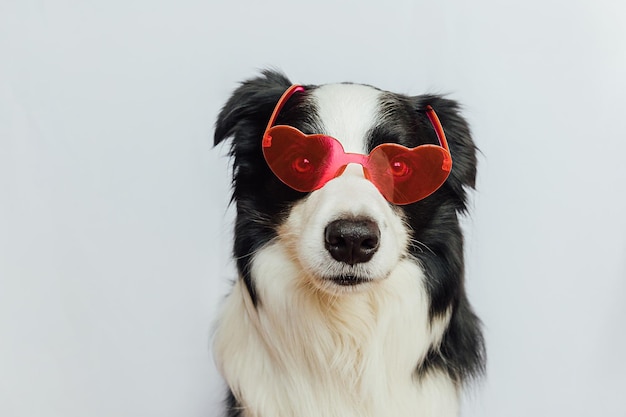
x,y
307,162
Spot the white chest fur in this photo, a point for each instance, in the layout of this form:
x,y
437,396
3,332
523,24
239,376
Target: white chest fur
x,y
305,353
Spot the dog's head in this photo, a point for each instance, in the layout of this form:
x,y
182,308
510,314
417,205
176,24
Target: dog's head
x,y
345,235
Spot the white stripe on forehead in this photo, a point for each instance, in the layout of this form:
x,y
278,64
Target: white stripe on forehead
x,y
347,112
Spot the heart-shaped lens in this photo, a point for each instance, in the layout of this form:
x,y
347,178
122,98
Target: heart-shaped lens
x,y
404,175
303,162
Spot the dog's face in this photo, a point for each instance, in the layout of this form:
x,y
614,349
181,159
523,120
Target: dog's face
x,y
344,236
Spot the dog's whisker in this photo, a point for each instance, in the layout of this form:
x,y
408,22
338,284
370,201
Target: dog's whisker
x,y
414,243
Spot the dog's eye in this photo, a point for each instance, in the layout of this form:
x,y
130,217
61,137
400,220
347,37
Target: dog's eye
x,y
399,168
302,165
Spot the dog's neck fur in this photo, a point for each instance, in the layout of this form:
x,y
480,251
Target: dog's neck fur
x,y
310,354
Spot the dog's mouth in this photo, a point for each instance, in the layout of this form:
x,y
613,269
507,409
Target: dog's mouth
x,y
347,280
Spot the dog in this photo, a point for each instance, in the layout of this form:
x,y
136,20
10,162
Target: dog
x,y
350,298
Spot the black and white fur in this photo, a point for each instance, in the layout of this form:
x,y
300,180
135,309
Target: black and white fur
x,y
304,334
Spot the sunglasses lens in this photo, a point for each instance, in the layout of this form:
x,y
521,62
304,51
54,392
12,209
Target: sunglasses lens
x,y
302,162
404,175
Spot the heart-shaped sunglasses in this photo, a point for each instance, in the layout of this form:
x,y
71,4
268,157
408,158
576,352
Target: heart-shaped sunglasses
x,y
307,162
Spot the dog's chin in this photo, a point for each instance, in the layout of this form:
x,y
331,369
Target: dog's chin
x,y
344,284
348,280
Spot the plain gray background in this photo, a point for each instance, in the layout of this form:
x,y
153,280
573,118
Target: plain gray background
x,y
114,227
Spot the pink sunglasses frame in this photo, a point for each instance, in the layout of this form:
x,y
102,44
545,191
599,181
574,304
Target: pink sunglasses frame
x,y
436,158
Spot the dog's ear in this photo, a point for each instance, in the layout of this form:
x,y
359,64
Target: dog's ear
x,y
250,106
459,139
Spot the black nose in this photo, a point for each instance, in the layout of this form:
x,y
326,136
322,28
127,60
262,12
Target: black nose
x,y
352,241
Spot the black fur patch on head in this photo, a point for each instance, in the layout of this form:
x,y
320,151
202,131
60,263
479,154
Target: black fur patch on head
x,y
244,118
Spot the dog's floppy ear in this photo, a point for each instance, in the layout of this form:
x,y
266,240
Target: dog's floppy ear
x,y
460,141
250,106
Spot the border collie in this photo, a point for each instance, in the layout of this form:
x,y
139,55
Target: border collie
x,y
350,299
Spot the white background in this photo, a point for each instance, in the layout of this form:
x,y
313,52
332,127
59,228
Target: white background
x,y
114,227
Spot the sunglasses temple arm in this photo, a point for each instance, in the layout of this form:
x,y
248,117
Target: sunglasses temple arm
x,y
434,120
281,102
